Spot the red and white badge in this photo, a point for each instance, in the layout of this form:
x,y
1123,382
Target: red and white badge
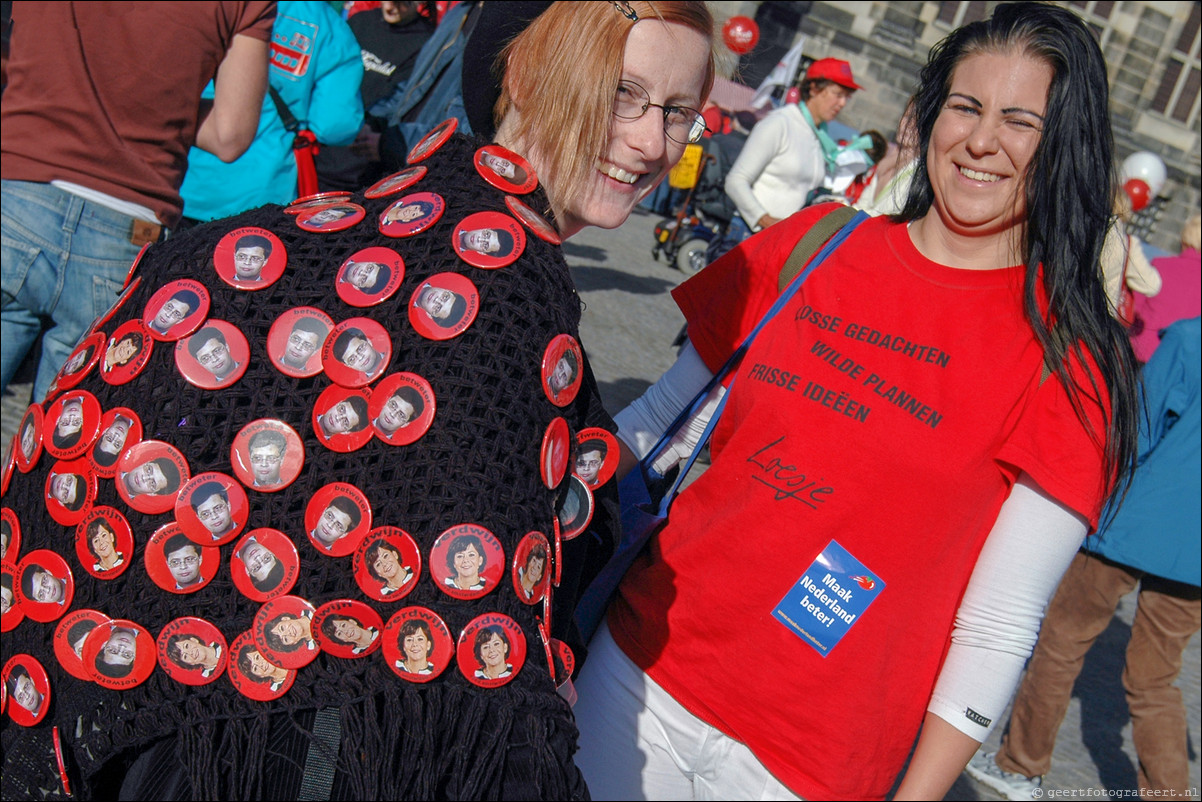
x,y
557,541
505,170
574,508
69,637
563,662
357,352
212,509
341,418
177,564
396,182
72,423
412,214
347,628
561,370
192,651
443,306
531,562
82,360
401,408
267,455
253,675
27,688
120,428
9,465
432,141
250,258
119,654
337,518
533,221
489,240
176,310
150,474
264,564
133,267
316,200
70,490
104,543
370,276
295,340
417,644
387,564
28,441
45,586
214,357
491,650
467,561
10,526
128,349
99,323
284,634
11,613
597,456
555,454
338,216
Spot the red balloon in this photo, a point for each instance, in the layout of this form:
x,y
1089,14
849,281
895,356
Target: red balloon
x,y
1139,193
741,34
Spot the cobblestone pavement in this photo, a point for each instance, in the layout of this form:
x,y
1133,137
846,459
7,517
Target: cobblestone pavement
x,y
628,328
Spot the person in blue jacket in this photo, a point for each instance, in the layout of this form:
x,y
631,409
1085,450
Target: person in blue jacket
x,y
316,68
1152,541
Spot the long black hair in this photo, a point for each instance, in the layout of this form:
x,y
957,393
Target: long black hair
x,y
1070,186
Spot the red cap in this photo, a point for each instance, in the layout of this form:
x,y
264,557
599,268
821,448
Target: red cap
x,y
832,69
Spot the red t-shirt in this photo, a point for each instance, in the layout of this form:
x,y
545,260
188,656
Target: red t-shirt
x,y
889,406
107,95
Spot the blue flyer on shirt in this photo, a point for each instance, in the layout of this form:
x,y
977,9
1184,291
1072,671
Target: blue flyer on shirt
x,y
829,598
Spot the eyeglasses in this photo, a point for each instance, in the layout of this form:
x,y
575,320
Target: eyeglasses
x,y
182,562
681,124
212,513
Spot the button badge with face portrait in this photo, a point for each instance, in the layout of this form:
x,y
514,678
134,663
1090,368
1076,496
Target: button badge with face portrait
x,y
401,408
177,564
28,442
316,201
387,564
85,357
250,258
72,423
347,628
176,310
253,675
104,543
489,240
211,509
356,353
45,586
533,221
396,182
337,216
337,518
370,276
149,475
417,644
412,214
69,637
264,564
267,455
561,370
491,650
574,508
443,306
467,561
126,354
505,170
214,357
11,613
432,141
530,563
295,340
119,654
597,456
70,491
341,419
283,631
10,529
192,651
120,428
27,690
555,454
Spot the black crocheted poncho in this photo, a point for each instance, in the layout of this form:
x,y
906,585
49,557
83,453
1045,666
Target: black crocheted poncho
x,y
478,463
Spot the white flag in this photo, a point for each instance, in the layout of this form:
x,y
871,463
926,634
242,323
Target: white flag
x,y
782,75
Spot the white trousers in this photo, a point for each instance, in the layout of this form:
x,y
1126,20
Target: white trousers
x,y
637,742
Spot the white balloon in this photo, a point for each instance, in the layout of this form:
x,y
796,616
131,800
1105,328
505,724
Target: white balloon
x,y
1148,167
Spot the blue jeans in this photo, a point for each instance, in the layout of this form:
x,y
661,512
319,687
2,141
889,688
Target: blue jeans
x,y
64,260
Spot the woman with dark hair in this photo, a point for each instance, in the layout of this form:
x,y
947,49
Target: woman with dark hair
x,y
189,652
121,351
492,653
465,560
531,575
288,632
417,644
102,543
966,405
257,668
349,632
386,566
